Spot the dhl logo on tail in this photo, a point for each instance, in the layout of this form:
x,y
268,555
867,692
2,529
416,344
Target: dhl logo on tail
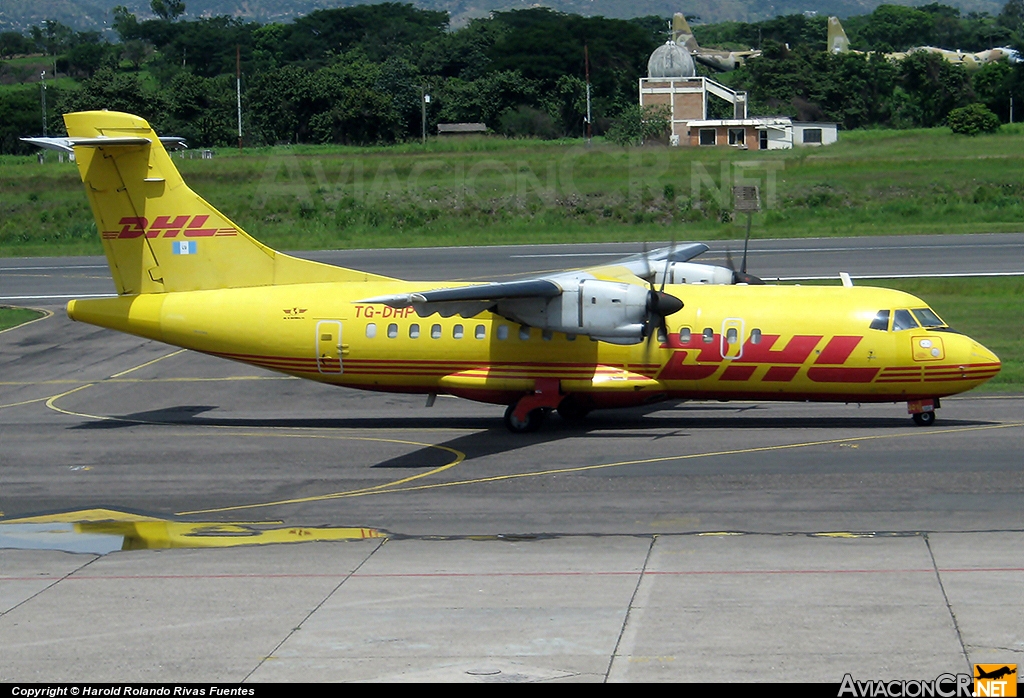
x,y
165,226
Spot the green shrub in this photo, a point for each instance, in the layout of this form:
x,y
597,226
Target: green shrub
x,y
972,120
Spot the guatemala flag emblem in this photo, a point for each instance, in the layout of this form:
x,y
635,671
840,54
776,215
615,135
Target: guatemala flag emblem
x,y
184,246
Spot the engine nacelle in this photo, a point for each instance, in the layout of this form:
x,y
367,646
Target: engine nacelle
x,y
606,310
691,273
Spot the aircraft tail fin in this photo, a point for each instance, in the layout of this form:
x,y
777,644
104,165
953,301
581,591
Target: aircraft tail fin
x,y
160,236
837,41
682,34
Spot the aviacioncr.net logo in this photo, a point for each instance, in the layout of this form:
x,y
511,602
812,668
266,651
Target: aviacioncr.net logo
x,y
942,686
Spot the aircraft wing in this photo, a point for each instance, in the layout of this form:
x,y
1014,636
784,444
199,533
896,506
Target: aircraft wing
x,y
646,264
613,303
485,293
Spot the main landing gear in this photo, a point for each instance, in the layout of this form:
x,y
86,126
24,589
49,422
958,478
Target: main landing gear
x,y
923,411
530,411
523,424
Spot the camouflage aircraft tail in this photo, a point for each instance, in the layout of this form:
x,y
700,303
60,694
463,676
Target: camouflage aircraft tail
x,y
682,34
160,236
837,40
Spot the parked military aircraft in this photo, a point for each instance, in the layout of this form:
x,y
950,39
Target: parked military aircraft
x,y
716,59
839,43
628,333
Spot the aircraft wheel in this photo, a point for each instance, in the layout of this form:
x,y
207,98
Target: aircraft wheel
x,y
572,411
531,423
924,419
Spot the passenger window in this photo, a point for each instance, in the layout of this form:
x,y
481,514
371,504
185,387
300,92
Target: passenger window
x,y
661,336
435,332
480,332
392,331
458,331
903,321
570,338
414,331
928,318
502,332
524,332
709,335
371,329
755,336
732,335
546,335
881,321
685,335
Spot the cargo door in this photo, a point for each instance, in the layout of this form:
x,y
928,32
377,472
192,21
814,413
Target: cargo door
x,y
328,346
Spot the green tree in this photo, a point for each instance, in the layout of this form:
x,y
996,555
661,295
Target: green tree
x,y
115,91
19,116
973,120
635,124
125,23
136,51
202,110
14,43
168,10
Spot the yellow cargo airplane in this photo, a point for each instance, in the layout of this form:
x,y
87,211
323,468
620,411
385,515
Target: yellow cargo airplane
x,y
573,341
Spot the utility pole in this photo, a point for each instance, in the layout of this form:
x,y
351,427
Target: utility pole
x,y
424,101
238,92
42,81
586,60
1011,107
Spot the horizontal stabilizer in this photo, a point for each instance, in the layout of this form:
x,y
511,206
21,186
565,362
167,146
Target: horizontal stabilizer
x,y
67,145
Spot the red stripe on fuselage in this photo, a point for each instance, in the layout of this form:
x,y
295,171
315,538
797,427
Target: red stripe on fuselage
x,y
838,350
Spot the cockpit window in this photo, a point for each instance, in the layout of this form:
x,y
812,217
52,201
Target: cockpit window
x,y
927,317
903,321
881,321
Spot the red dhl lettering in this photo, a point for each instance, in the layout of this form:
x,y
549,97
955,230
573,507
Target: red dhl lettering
x,y
166,227
795,353
164,223
796,350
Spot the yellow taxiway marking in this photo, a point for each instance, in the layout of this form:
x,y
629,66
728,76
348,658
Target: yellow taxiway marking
x,y
394,487
149,363
374,489
183,379
25,402
692,456
459,456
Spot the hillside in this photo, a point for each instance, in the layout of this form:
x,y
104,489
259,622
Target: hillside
x,y
19,15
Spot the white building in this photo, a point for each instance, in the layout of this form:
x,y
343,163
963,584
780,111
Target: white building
x,y
760,133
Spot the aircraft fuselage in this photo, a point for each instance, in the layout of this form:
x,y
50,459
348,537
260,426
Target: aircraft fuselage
x,y
728,342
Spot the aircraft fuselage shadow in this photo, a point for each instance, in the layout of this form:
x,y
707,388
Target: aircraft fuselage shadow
x,y
488,436
636,419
